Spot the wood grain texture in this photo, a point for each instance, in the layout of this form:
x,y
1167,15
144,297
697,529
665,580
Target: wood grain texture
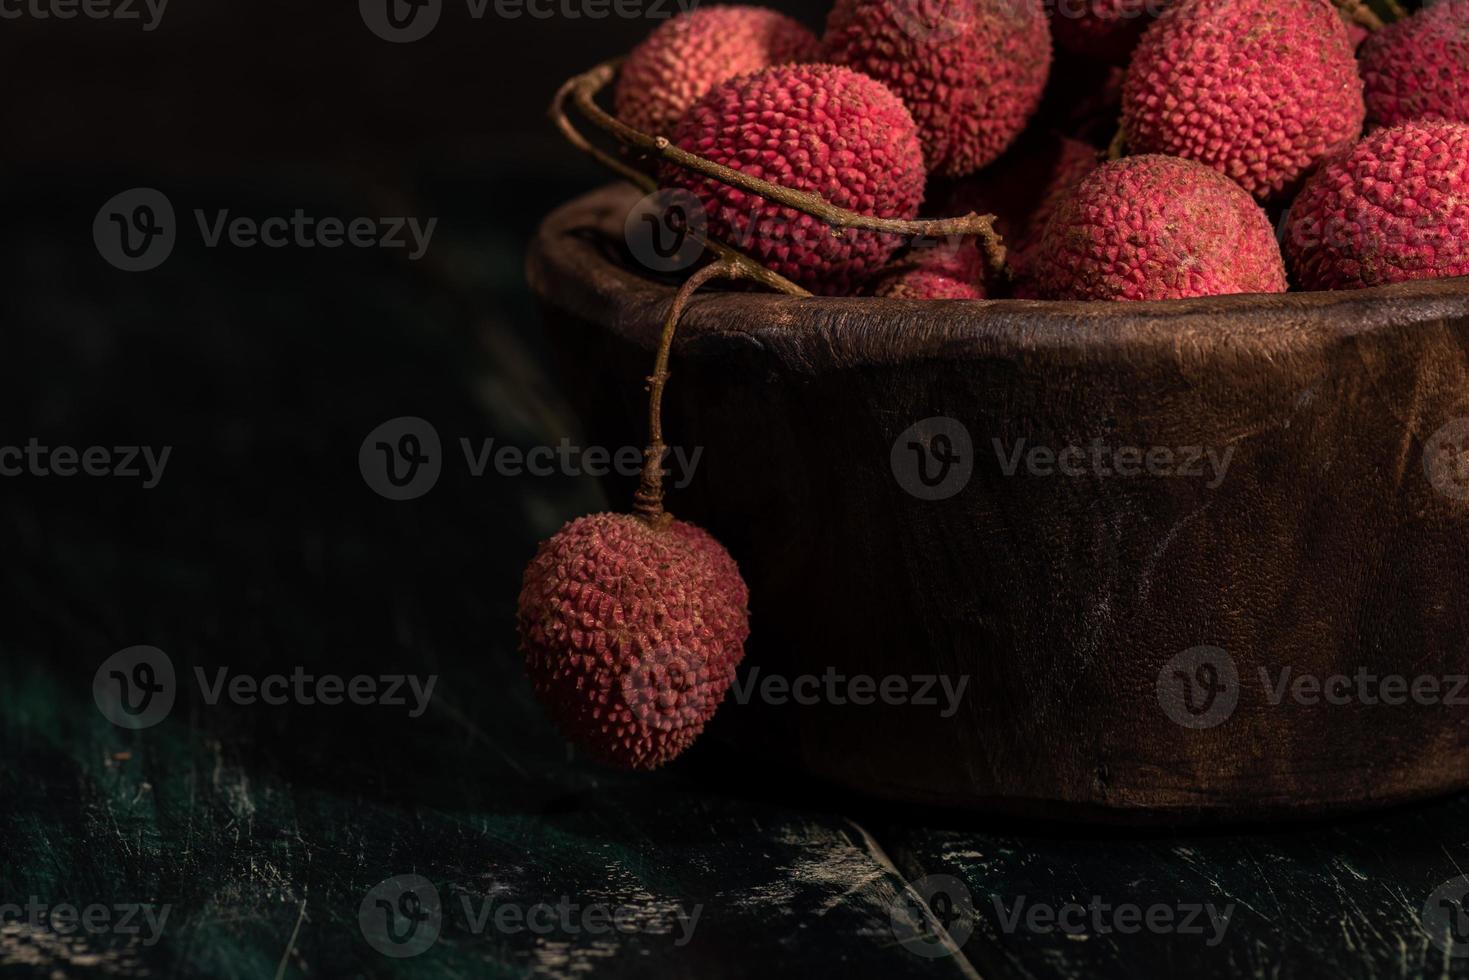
x,y
1324,549
1319,900
262,861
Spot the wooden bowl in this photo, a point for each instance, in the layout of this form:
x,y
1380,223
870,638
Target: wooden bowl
x,y
1123,634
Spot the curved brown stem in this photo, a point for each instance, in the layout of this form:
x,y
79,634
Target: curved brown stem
x,y
583,89
750,268
576,139
1118,146
648,501
1361,14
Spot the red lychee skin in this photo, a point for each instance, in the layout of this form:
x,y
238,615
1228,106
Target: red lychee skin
x,y
971,71
1260,90
1395,208
1156,227
1106,30
631,634
819,128
691,53
1419,68
942,271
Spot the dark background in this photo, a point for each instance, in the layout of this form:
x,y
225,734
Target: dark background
x,y
230,87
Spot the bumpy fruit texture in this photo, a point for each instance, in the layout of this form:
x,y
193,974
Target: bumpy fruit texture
x,y
971,71
693,52
941,271
1260,90
1395,208
631,634
1419,68
1106,30
818,128
1156,227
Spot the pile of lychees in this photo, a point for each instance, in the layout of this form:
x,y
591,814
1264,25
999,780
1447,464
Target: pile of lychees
x,y
1231,158
1248,145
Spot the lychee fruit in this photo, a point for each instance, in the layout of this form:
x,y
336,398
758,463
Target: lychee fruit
x,y
945,270
971,71
1260,90
631,630
818,128
696,50
1395,208
1104,30
1156,227
1418,68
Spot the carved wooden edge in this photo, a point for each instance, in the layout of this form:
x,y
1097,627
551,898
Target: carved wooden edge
x,y
568,266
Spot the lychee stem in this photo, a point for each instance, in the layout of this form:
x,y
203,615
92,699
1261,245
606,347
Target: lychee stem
x,y
648,501
583,88
1361,14
1118,146
750,268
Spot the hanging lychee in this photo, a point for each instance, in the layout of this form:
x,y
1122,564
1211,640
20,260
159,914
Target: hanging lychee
x,y
632,624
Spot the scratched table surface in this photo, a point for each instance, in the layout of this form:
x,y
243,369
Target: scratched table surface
x,y
236,838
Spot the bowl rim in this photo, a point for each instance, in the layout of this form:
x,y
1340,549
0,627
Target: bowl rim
x,y
568,269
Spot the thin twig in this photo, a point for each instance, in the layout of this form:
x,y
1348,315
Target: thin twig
x,y
750,268
576,139
648,501
1118,146
1361,14
583,89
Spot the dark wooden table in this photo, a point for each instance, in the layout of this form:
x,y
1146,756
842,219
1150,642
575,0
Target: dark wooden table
x,y
267,832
